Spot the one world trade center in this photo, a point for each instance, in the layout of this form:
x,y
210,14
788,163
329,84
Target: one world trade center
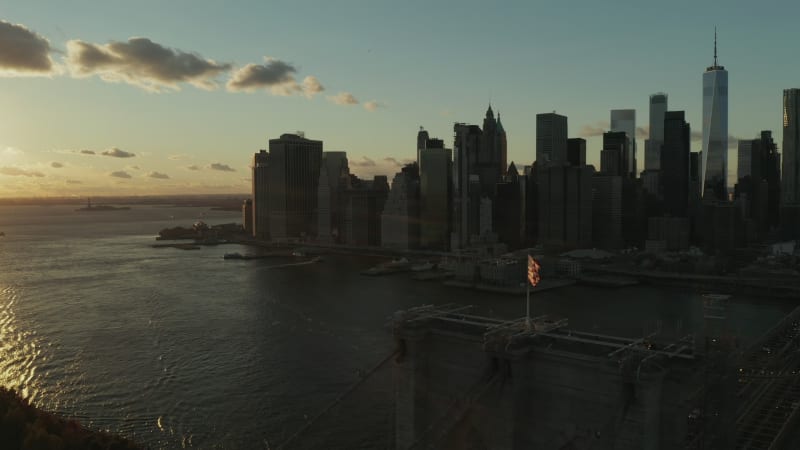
x,y
715,130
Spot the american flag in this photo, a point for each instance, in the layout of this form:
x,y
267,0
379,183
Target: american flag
x,y
533,271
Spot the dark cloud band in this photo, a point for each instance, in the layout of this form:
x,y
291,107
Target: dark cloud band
x,y
144,63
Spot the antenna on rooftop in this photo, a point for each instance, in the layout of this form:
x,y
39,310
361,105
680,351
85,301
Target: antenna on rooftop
x,y
715,46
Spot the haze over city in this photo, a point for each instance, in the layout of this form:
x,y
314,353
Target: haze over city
x,y
118,99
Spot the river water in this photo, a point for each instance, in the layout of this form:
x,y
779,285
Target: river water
x,y
179,348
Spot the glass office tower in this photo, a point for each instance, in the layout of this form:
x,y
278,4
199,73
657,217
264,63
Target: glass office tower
x,y
714,170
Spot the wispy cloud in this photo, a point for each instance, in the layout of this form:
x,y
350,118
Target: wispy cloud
x,y
363,162
343,98
23,52
143,63
56,165
158,175
120,174
193,167
373,105
275,76
593,130
117,153
17,172
221,167
88,152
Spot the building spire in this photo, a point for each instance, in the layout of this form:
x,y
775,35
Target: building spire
x,y
715,46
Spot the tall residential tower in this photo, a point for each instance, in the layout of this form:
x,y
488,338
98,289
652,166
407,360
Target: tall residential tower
x,y
714,170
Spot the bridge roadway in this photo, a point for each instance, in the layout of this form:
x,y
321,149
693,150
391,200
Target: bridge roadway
x,y
768,388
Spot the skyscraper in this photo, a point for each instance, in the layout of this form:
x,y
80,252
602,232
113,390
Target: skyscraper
x,y
551,139
616,145
435,169
791,146
260,224
576,151
334,179
652,147
466,146
294,164
675,164
400,216
714,171
625,120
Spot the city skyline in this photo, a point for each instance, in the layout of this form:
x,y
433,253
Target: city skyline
x,y
196,139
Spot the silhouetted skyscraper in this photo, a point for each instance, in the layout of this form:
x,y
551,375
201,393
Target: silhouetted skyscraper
x,y
509,212
435,168
294,164
261,195
400,218
791,146
551,139
612,157
715,130
334,179
466,146
365,201
625,120
652,151
675,164
758,186
565,205
576,151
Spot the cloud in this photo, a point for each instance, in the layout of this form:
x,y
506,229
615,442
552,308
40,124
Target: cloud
x,y
343,98
120,174
275,76
593,130
312,86
158,175
74,182
193,167
56,165
365,162
643,132
117,153
373,106
88,152
394,161
143,63
221,167
177,157
23,52
17,172
135,168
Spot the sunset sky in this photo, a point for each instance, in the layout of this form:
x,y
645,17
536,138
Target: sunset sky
x,y
148,97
